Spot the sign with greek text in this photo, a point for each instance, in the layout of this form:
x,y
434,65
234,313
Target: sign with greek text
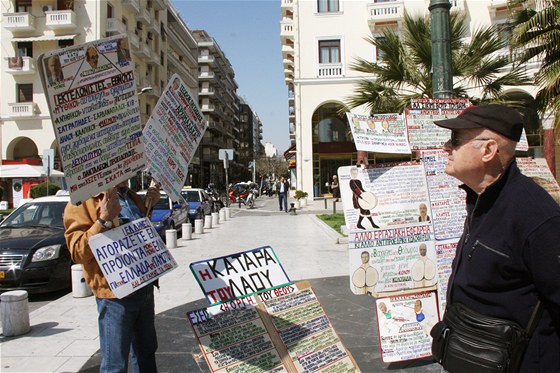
x,y
172,135
404,324
538,170
445,252
91,93
384,133
238,275
422,131
388,260
131,256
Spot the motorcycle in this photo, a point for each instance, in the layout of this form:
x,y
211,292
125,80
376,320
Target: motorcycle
x,y
242,193
217,202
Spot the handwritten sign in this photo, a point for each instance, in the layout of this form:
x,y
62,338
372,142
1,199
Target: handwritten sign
x,y
385,133
172,135
445,251
422,131
131,256
439,103
91,93
538,170
404,324
238,275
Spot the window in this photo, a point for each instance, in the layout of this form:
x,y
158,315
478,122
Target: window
x,y
325,6
379,54
23,5
109,11
24,92
65,43
25,49
329,51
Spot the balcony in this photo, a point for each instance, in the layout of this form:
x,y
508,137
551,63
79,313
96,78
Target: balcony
x,y
115,25
22,109
206,59
287,6
287,49
159,4
287,29
144,16
16,22
501,9
134,40
144,51
206,75
386,12
132,5
60,20
330,70
19,65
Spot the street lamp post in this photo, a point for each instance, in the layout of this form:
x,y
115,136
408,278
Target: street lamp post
x,y
441,49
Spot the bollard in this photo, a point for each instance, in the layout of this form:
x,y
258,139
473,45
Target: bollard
x,y
303,202
208,222
171,238
79,286
293,208
215,218
14,310
334,207
198,226
325,203
222,214
186,231
228,213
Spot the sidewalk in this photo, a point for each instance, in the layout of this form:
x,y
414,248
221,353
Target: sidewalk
x,y
64,338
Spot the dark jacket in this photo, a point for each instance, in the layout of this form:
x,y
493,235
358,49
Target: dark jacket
x,y
508,256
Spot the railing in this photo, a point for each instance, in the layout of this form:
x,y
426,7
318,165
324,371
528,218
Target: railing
x,y
60,19
133,4
19,65
22,109
330,70
115,25
19,21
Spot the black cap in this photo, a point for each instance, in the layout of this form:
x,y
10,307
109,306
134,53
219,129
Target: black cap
x,y
498,118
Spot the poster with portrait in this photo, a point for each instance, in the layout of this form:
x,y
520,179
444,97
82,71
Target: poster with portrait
x,y
404,324
172,135
384,133
91,94
388,260
384,196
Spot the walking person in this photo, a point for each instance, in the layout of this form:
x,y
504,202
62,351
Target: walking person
x,y
335,188
283,187
508,256
125,324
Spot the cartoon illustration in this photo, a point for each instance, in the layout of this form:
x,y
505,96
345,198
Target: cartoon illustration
x,y
365,277
365,201
423,270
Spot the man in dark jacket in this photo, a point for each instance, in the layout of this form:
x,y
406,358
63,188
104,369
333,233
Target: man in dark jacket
x,y
509,254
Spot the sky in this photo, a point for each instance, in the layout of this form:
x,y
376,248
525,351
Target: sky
x,y
248,32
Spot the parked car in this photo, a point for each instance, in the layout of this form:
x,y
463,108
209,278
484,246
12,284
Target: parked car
x,y
199,201
33,252
168,214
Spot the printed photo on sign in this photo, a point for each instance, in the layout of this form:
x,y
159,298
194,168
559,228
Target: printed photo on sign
x,y
172,135
384,196
404,324
388,260
131,256
238,275
384,133
93,103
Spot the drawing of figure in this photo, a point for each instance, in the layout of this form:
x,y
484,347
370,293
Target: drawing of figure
x,y
92,57
365,277
389,319
421,318
423,209
362,200
385,124
54,70
423,270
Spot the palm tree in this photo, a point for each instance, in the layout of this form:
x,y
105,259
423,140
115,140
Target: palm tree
x,y
404,71
536,34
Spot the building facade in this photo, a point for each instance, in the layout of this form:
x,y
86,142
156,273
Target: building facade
x,y
320,40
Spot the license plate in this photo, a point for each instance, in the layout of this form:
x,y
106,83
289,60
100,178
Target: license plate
x,y
2,275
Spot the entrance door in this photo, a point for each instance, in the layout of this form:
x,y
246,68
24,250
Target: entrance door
x,y
329,167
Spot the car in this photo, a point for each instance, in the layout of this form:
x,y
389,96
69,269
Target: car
x,y
168,214
33,252
200,203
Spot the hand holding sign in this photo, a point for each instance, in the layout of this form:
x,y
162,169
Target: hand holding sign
x,y
110,205
152,194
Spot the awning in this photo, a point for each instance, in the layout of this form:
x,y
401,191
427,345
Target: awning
x,y
46,38
25,170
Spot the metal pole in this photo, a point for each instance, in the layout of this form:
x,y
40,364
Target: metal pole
x,y
441,49
226,166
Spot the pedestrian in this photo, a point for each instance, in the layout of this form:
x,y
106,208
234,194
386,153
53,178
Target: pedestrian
x,y
335,188
283,187
124,324
508,257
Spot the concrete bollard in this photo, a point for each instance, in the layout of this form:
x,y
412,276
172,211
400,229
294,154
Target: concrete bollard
x,y
208,222
198,226
215,218
14,310
171,238
222,214
186,231
79,286
228,213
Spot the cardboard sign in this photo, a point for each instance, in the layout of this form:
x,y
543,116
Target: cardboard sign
x,y
423,133
384,133
239,275
172,135
131,256
91,93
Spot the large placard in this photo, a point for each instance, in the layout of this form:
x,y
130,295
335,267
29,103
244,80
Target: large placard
x,y
91,93
172,135
239,275
131,256
384,133
422,131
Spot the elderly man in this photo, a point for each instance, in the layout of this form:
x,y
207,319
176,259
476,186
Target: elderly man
x,y
509,255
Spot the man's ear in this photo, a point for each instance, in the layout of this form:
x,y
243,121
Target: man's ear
x,y
491,150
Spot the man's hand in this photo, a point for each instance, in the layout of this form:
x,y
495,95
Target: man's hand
x,y
153,193
110,205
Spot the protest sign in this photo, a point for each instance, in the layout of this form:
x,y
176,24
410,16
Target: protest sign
x,y
439,103
172,135
445,252
423,133
538,169
384,196
384,133
131,256
238,275
91,93
387,260
404,324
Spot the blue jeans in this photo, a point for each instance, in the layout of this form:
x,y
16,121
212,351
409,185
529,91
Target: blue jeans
x,y
283,196
124,324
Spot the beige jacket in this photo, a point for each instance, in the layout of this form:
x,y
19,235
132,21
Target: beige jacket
x,y
80,224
